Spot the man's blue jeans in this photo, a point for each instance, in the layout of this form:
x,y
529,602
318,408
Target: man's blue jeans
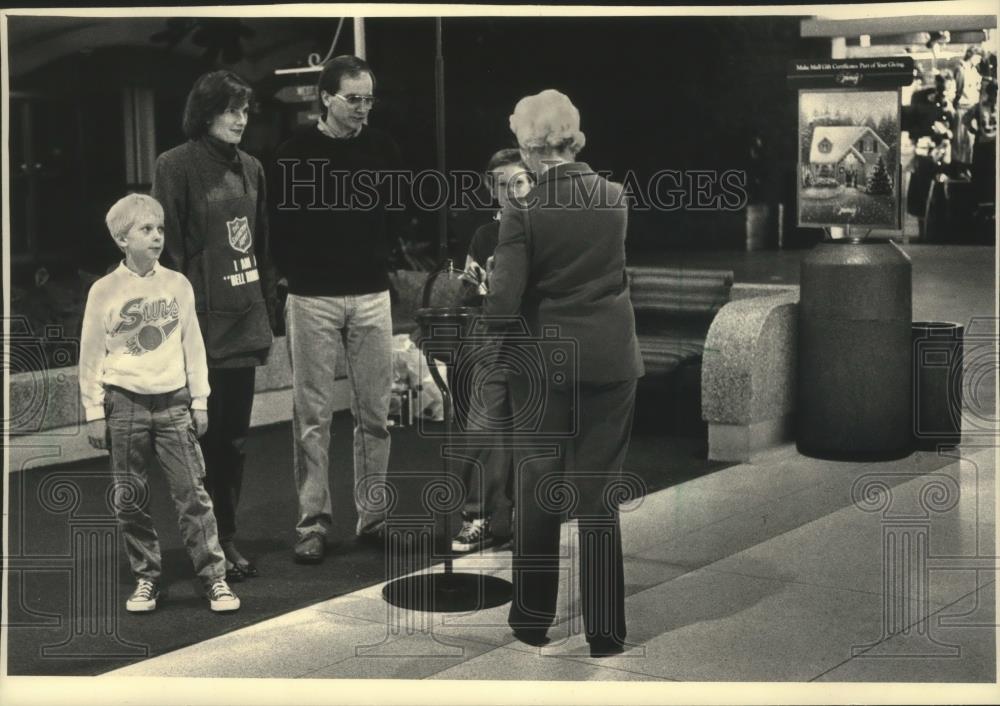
x,y
364,324
142,427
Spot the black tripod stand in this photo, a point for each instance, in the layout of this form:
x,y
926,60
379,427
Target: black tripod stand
x,y
443,330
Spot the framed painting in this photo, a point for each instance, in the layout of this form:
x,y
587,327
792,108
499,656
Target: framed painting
x,y
849,166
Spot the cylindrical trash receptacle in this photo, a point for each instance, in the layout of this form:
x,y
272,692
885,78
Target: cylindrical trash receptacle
x,y
854,370
937,384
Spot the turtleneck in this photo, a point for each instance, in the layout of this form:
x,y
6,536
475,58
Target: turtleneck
x,y
223,152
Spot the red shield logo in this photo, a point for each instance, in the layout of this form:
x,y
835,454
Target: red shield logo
x,y
239,234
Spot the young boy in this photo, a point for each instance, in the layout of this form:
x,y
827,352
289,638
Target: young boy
x,y
486,512
508,178
144,385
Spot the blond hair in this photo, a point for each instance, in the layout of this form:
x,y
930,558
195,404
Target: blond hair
x,y
123,215
547,122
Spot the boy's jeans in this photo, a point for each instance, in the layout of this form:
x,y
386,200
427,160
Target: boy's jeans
x,y
364,323
143,426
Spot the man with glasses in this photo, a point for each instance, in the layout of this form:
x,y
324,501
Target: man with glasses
x,y
332,233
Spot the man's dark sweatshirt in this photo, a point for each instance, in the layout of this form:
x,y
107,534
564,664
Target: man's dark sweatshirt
x,y
332,233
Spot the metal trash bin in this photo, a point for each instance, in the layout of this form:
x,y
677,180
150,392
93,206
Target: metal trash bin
x,y
938,357
854,368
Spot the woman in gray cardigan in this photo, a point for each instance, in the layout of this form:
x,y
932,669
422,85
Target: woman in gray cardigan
x,y
213,198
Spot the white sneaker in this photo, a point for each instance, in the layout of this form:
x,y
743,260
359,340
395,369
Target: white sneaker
x,y
221,598
143,598
474,535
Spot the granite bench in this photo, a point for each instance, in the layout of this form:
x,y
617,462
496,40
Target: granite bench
x,y
749,372
720,358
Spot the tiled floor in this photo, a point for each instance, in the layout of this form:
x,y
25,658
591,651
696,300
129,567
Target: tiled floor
x,y
790,569
777,571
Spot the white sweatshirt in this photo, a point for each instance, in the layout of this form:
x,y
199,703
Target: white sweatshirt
x,y
141,334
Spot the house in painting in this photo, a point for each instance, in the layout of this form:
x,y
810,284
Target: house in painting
x,y
848,154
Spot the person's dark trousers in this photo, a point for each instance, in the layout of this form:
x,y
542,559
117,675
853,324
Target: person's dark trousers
x,y
489,479
570,475
229,406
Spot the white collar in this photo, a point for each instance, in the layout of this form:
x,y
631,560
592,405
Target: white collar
x,y
156,266
324,127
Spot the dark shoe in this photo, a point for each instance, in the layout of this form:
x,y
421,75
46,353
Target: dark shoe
x,y
374,536
535,637
237,566
233,573
310,549
248,569
605,647
236,572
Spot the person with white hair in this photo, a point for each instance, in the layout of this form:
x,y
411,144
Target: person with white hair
x,y
560,264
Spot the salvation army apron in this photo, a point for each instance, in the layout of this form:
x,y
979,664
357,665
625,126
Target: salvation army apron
x,y
234,320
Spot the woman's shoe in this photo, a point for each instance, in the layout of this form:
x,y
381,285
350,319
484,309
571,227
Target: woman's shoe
x,y
535,637
605,647
237,566
233,572
248,569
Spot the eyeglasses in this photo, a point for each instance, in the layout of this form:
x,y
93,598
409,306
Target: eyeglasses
x,y
354,100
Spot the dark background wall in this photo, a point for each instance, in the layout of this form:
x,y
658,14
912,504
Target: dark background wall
x,y
654,93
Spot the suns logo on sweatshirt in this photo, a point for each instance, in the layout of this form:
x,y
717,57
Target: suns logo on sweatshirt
x,y
146,323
